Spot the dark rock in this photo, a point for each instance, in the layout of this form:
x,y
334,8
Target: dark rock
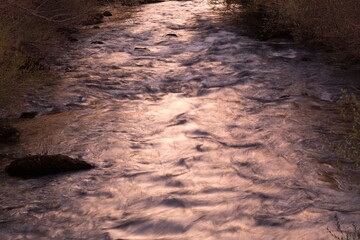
x,y
107,14
96,27
97,42
31,114
306,59
142,49
9,135
72,39
171,35
284,96
150,1
40,165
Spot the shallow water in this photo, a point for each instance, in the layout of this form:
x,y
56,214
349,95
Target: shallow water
x,y
206,134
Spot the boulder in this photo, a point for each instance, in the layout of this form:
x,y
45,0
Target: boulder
x,y
107,14
9,135
40,165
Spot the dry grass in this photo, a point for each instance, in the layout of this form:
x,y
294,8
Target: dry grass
x,y
28,33
351,112
332,23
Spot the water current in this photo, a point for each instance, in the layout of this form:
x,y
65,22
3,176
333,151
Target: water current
x,y
197,131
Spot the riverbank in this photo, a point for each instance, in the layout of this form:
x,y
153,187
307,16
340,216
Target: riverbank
x,y
331,25
327,27
30,33
31,36
29,43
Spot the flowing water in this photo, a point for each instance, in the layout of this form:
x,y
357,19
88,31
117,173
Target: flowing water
x,y
197,132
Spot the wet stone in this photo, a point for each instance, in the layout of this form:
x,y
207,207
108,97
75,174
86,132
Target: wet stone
x,y
149,1
107,14
9,135
97,42
31,114
40,165
284,96
306,59
141,49
72,39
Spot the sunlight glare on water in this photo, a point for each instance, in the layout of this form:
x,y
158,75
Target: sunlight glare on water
x,y
197,132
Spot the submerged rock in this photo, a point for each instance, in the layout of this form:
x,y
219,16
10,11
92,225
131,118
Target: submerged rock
x,y
40,165
9,135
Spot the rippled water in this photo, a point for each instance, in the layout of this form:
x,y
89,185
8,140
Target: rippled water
x,y
206,134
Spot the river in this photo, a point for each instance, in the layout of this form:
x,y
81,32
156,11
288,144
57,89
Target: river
x,y
197,131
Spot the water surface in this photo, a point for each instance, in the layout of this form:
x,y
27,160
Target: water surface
x,y
197,131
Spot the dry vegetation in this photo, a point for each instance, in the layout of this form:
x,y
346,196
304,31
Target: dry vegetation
x,y
331,23
350,110
27,24
28,32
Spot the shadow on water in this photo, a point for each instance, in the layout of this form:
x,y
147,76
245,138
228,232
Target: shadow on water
x,y
197,131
